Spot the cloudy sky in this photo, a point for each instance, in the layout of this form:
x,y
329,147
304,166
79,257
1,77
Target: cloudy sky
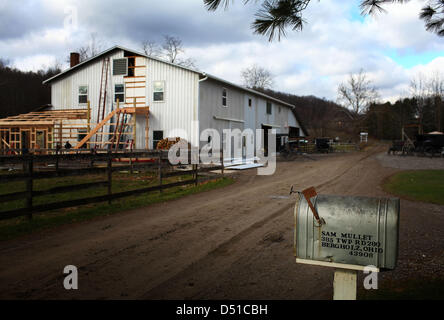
x,y
392,47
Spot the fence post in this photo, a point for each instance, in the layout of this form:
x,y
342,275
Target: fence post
x,y
91,152
222,160
57,161
189,155
110,176
196,174
29,185
160,170
131,165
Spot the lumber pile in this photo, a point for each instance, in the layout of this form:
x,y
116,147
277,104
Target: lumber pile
x,y
167,143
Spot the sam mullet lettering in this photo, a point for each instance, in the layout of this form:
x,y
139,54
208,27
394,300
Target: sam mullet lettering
x,y
348,235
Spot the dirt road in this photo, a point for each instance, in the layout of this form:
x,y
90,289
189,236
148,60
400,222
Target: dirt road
x,y
233,243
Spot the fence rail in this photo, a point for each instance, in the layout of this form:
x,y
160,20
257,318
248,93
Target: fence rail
x,y
157,162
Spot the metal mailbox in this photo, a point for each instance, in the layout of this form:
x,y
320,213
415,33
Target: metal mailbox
x,y
349,231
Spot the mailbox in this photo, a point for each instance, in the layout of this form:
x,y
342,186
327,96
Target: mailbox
x,y
352,232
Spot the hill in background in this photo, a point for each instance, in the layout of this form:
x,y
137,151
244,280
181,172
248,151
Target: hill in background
x,y
321,117
23,92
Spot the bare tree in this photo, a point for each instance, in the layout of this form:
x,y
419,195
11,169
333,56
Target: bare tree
x,y
420,91
151,48
93,48
52,69
429,93
170,50
172,47
436,84
437,88
257,77
357,93
4,63
188,63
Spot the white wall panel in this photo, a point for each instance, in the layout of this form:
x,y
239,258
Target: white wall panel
x,y
64,92
179,108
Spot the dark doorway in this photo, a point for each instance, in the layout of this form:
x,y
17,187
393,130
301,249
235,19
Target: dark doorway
x,y
25,141
266,133
280,141
157,137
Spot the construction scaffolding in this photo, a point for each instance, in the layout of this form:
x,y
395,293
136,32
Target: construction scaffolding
x,y
121,133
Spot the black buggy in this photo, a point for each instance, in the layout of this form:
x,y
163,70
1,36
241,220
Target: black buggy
x,y
429,144
323,145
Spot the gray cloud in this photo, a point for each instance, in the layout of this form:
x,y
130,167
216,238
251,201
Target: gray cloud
x,y
332,45
18,18
142,20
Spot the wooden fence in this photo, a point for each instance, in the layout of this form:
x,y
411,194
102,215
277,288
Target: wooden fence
x,y
110,162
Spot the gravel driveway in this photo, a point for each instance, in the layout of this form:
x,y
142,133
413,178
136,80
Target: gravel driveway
x,y
410,162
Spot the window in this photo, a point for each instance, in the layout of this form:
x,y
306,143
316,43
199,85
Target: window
x,y
250,102
120,67
159,91
83,94
157,136
269,108
280,109
119,93
131,66
224,97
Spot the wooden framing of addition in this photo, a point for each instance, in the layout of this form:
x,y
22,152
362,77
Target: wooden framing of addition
x,y
49,129
41,130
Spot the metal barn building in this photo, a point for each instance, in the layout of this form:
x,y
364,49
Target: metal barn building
x,y
131,98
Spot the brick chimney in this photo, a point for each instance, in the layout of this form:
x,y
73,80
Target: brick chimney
x,y
74,59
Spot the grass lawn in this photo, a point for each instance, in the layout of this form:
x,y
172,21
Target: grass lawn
x,y
15,227
418,185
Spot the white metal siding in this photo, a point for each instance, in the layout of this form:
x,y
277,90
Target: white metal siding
x,y
238,114
176,113
179,108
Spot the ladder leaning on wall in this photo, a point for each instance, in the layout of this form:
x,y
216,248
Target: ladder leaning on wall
x,y
102,98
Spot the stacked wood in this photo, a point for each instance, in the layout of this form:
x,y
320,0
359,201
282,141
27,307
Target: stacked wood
x,y
167,143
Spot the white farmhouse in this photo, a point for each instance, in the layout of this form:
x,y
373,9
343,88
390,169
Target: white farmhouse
x,y
169,100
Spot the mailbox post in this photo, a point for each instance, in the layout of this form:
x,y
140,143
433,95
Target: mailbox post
x,y
347,233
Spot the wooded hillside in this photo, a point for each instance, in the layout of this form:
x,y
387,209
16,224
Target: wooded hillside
x,y
22,92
